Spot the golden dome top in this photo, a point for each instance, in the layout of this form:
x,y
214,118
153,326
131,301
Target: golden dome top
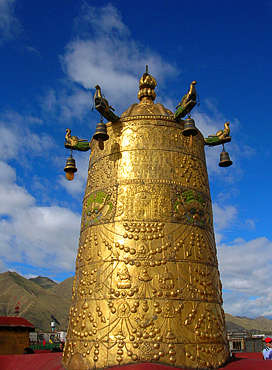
x,y
147,109
147,95
147,85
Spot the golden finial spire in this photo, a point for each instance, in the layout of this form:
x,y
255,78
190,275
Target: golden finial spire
x,y
147,85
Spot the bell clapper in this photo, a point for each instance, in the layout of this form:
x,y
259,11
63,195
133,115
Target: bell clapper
x,y
191,140
101,144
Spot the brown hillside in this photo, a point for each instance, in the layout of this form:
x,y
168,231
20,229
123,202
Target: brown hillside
x,y
260,324
36,303
64,289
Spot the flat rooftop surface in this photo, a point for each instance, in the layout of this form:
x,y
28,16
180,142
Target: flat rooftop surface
x,y
52,361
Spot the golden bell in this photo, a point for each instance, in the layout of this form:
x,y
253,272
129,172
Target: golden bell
x,y
70,168
189,128
101,132
225,159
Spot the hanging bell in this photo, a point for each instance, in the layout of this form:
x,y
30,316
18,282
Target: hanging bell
x,y
70,168
225,159
101,132
189,127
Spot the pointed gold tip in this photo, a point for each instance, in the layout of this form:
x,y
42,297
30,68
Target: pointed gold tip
x,y
147,85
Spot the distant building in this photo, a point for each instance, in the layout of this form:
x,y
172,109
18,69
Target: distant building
x,y
62,336
245,342
33,337
14,334
59,336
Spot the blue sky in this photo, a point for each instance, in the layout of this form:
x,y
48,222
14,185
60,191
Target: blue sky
x,y
52,55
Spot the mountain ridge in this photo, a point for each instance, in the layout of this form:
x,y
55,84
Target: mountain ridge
x,y
43,281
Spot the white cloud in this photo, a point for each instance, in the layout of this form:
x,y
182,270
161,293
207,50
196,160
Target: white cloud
x,y
68,103
75,105
9,143
241,304
12,117
47,236
250,223
104,20
7,173
9,24
49,101
30,233
33,50
242,257
13,196
38,143
110,57
223,216
245,268
39,236
17,137
34,120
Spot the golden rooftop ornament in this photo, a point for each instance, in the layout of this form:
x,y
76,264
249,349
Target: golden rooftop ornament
x,y
147,286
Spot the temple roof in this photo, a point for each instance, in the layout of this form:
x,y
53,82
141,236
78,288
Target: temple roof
x,y
15,322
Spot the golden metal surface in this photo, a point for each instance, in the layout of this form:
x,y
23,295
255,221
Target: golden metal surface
x,y
147,286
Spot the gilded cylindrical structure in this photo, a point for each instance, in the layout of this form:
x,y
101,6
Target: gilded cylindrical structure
x,y
147,286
